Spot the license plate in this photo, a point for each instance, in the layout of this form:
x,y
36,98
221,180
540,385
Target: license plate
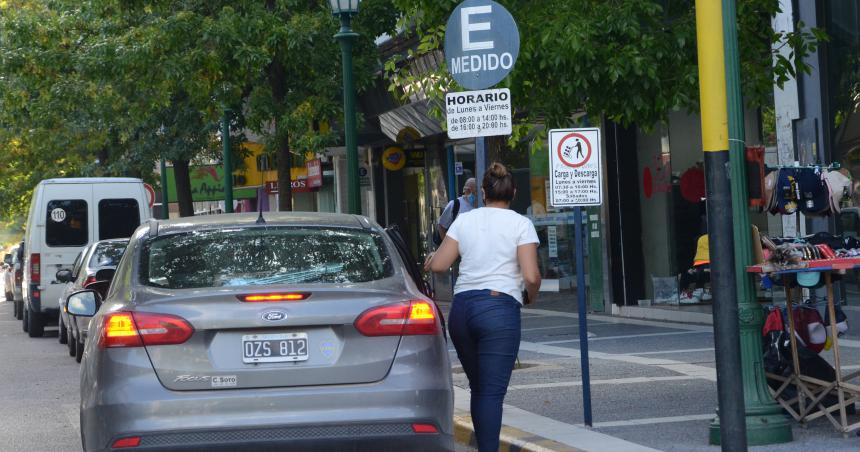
x,y
274,348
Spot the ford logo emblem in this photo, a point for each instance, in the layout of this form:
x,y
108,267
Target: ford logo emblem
x,y
274,316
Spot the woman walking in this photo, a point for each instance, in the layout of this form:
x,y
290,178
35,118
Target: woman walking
x,y
498,248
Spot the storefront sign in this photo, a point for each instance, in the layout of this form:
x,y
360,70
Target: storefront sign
x,y
415,158
474,114
363,176
298,183
552,241
207,184
576,178
394,159
482,43
314,167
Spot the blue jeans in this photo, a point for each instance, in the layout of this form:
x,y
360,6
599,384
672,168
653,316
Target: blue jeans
x,y
485,329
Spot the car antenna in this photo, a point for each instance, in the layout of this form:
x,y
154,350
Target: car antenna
x,y
260,219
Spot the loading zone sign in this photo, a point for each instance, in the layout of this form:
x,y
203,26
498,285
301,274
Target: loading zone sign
x,y
474,114
576,179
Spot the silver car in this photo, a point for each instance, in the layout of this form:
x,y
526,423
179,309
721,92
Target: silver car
x,y
230,332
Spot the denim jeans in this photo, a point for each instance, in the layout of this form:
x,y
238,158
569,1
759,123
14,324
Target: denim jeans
x,y
485,329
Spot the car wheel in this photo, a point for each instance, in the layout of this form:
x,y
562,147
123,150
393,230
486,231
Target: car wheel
x,y
20,309
25,321
14,308
63,336
73,344
35,324
79,351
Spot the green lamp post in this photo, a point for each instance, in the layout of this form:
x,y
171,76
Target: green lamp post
x,y
345,9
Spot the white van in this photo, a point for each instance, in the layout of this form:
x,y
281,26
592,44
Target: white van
x,y
65,216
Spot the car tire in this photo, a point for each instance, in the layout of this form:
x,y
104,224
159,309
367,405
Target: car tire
x,y
63,336
79,351
35,324
72,343
14,308
20,309
25,321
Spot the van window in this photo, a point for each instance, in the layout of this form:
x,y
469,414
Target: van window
x,y
118,218
66,223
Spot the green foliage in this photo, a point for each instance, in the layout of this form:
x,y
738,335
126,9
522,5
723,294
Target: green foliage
x,y
631,61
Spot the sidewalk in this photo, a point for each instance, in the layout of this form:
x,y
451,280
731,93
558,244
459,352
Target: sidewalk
x,y
653,387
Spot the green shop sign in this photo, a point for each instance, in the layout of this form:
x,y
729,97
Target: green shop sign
x,y
207,184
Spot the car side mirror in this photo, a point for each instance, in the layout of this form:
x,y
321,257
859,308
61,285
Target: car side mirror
x,y
64,276
83,303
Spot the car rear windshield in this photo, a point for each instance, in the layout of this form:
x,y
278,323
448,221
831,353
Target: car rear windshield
x,y
107,254
66,223
263,256
118,218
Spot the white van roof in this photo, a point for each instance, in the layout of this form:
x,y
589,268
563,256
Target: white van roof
x,y
91,180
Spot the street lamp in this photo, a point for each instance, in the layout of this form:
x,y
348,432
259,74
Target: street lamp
x,y
345,9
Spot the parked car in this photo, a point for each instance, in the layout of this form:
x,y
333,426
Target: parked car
x,y
302,330
65,216
13,277
96,263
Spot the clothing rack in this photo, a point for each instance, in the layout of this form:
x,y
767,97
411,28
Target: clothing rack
x,y
832,167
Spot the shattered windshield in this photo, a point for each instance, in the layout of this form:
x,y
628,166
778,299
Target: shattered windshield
x,y
264,256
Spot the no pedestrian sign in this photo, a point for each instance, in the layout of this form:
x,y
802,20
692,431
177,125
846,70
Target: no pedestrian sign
x,y
575,176
474,114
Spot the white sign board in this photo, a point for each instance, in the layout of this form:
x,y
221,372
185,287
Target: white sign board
x,y
458,168
552,240
576,178
474,114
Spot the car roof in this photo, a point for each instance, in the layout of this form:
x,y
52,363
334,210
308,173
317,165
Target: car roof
x,y
90,180
271,218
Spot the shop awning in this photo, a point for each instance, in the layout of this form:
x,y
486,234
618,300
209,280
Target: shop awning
x,y
415,115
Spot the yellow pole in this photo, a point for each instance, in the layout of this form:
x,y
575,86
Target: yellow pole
x,y
712,76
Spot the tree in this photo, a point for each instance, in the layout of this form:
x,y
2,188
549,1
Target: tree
x,y
631,61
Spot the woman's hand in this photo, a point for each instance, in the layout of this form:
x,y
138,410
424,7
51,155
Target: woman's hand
x,y
444,257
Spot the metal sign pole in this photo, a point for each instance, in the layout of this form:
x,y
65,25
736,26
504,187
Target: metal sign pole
x,y
583,321
480,166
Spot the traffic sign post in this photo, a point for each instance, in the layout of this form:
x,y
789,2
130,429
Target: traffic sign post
x,y
577,181
482,43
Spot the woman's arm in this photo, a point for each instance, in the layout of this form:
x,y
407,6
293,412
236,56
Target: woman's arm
x,y
527,257
444,257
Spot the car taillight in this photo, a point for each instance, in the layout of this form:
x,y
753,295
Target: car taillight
x,y
19,276
126,329
90,279
271,297
400,319
35,268
123,443
424,428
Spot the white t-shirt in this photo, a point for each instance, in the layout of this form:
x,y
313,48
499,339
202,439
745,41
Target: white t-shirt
x,y
488,239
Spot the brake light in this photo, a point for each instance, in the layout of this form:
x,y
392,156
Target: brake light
x,y
35,268
126,329
424,428
269,297
416,317
122,443
90,279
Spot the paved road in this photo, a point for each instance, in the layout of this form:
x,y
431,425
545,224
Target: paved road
x,y
38,391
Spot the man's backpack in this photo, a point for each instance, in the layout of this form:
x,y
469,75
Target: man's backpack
x,y
437,238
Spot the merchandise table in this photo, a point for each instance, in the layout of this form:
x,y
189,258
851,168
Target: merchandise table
x,y
811,392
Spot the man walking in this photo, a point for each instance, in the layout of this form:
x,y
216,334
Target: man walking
x,y
464,203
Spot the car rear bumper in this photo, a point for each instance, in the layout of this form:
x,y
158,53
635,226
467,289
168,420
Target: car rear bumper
x,y
128,400
340,437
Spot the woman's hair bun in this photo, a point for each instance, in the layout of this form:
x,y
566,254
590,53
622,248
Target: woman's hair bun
x,y
498,170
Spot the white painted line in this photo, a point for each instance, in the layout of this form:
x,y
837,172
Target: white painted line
x,y
665,352
623,320
849,343
568,434
616,381
690,370
590,324
655,420
608,338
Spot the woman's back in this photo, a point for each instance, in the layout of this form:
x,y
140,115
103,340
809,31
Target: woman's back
x,y
488,239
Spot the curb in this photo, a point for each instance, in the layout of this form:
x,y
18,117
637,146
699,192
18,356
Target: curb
x,y
510,439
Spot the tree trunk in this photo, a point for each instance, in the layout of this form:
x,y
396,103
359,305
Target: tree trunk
x,y
183,188
285,162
